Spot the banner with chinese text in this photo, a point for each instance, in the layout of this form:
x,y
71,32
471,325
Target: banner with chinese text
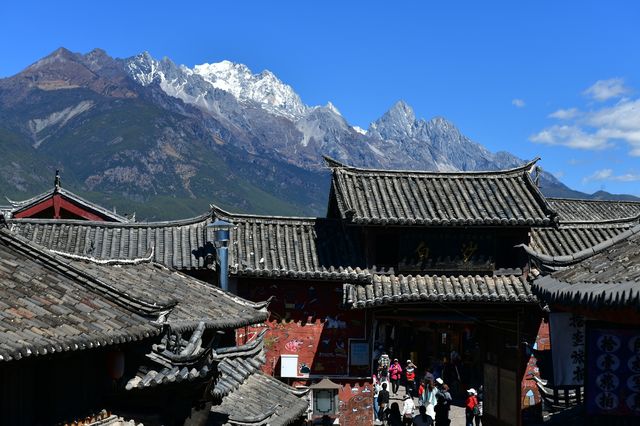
x,y
613,371
567,348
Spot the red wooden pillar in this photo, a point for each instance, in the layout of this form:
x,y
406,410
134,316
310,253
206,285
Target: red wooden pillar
x,y
56,206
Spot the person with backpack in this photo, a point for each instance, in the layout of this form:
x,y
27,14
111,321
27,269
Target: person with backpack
x,y
471,409
383,368
383,401
444,404
395,373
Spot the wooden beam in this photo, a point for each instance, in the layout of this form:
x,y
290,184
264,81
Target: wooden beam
x,y
34,210
78,211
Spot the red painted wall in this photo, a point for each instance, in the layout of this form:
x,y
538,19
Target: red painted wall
x,y
306,319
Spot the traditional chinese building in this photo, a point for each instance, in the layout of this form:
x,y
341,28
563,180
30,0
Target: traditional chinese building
x,y
401,255
589,279
110,340
60,203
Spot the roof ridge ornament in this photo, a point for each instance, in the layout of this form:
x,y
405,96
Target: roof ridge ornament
x,y
333,163
527,166
56,182
136,261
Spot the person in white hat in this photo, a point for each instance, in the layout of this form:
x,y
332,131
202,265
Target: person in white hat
x,y
407,410
410,376
471,408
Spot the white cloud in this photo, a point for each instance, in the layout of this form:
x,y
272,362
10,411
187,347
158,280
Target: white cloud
x,y
598,175
565,114
619,122
570,136
602,90
518,103
607,174
596,129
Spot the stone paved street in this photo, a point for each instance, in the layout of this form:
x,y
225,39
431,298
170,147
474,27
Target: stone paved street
x,y
456,414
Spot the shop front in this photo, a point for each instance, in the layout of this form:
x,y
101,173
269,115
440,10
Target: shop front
x,y
471,331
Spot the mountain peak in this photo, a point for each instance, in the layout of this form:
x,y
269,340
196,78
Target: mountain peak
x,y
61,52
264,88
401,111
398,122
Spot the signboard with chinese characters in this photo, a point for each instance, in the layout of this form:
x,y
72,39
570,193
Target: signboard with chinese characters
x,y
567,348
613,371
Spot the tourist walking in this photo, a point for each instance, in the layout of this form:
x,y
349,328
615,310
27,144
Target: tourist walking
x,y
479,397
376,391
444,404
393,417
410,376
383,402
407,410
383,368
422,419
421,389
429,399
395,373
471,409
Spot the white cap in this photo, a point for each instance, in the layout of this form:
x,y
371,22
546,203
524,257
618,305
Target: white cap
x,y
472,391
439,381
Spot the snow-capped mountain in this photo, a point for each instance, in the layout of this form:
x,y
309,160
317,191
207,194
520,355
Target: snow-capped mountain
x,y
197,85
140,129
248,101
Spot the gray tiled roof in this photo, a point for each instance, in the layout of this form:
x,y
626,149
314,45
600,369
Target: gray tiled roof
x,y
264,246
594,211
194,300
567,239
53,303
167,375
249,396
49,307
387,197
392,289
606,275
260,400
180,244
583,224
237,364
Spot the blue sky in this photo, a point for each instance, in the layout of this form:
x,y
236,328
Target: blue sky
x,y
552,79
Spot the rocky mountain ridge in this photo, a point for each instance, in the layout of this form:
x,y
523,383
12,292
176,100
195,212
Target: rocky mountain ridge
x,y
166,140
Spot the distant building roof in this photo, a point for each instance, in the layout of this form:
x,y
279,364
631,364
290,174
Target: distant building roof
x,y
396,289
394,197
606,275
263,246
583,224
576,211
60,203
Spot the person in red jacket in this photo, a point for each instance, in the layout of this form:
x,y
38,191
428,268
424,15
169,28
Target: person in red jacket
x,y
410,376
395,373
421,389
471,408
